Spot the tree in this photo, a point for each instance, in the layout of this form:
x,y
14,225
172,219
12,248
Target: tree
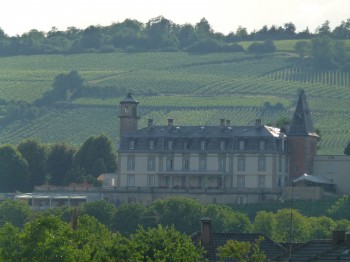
x,y
59,162
97,243
161,34
226,220
186,35
241,33
15,212
324,29
203,29
164,244
67,86
47,239
265,223
128,217
91,37
347,149
267,46
290,223
181,212
289,30
96,156
101,210
323,52
14,174
302,48
36,156
242,251
321,227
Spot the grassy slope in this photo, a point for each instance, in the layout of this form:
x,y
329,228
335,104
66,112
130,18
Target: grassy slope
x,y
192,89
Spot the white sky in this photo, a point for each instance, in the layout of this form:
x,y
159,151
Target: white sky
x,y
19,16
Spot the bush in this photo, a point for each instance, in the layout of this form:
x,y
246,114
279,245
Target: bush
x,y
267,46
211,46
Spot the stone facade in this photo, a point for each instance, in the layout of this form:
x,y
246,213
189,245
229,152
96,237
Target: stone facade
x,y
223,163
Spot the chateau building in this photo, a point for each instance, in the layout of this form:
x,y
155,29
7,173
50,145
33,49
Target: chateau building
x,y
234,160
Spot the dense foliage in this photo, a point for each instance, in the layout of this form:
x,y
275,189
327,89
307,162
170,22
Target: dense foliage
x,y
141,230
157,34
34,164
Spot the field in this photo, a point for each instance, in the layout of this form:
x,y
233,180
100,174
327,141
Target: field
x,y
191,89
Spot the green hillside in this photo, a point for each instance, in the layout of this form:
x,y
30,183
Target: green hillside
x,y
191,89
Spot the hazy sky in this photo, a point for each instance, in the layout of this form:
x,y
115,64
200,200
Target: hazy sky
x,y
19,16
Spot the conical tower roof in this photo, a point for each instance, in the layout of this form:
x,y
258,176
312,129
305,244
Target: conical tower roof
x,y
302,123
129,99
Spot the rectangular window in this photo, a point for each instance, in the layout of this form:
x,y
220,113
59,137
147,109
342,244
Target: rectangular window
x,y
131,180
261,181
186,145
241,164
170,144
185,162
150,181
131,144
286,165
131,163
222,163
170,163
151,144
261,164
279,163
151,163
279,183
262,145
330,168
202,162
222,145
203,144
240,181
241,145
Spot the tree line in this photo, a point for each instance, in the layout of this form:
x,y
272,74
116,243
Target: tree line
x,y
99,231
33,164
158,34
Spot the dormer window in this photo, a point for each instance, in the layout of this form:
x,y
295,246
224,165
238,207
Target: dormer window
x,y
241,145
262,144
186,145
203,144
170,144
222,145
132,144
151,144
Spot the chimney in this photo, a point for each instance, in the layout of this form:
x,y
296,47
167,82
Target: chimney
x,y
222,122
347,240
228,122
257,122
338,237
150,122
206,231
170,122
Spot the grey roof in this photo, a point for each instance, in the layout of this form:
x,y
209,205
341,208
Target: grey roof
x,y
129,99
268,246
194,135
302,123
206,131
318,250
314,179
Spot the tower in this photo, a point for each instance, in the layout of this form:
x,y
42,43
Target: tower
x,y
302,140
128,115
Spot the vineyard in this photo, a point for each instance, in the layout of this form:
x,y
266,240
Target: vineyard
x,y
191,89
